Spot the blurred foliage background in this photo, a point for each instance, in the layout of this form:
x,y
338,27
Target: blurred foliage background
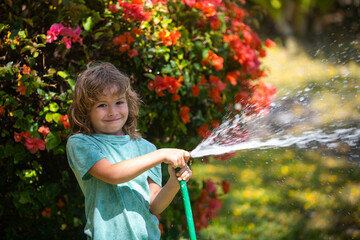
x,y
294,193
263,194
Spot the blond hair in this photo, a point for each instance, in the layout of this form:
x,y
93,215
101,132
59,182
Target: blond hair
x,y
93,82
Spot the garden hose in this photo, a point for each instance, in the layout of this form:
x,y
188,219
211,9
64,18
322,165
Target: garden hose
x,y
187,206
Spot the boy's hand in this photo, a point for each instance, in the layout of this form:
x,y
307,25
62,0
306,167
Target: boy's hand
x,y
177,158
183,174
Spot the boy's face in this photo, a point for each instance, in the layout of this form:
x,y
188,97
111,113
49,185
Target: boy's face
x,y
109,114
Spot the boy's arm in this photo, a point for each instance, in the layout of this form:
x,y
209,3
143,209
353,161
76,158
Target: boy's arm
x,y
160,198
129,169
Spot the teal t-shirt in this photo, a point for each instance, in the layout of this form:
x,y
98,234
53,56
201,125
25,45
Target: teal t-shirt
x,y
114,211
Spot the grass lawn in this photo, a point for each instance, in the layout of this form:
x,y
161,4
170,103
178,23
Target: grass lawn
x,y
290,193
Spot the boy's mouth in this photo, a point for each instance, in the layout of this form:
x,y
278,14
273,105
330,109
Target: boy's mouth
x,y
112,120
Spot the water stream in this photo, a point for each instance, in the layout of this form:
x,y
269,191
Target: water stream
x,y
290,122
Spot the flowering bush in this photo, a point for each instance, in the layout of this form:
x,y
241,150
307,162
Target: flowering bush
x,y
191,61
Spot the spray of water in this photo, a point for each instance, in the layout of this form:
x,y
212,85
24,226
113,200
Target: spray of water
x,y
281,127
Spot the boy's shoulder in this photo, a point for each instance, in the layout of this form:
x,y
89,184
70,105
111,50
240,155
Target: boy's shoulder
x,y
79,138
143,141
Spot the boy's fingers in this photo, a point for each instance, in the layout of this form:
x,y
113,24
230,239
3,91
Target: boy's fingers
x,y
186,155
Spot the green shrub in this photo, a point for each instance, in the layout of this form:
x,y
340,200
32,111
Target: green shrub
x,y
192,62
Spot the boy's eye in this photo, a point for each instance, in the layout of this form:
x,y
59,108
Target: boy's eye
x,y
119,102
101,105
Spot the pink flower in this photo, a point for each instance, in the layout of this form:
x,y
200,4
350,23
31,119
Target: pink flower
x,y
67,42
57,29
34,144
75,36
210,186
190,3
54,31
44,131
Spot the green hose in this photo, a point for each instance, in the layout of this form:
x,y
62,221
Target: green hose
x,y
187,205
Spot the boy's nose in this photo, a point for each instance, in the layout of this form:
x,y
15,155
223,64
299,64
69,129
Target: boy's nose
x,y
111,111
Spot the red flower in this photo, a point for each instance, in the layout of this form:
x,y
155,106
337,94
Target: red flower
x,y
134,10
163,2
132,53
26,69
60,203
2,110
44,131
113,8
268,43
204,131
225,156
184,114
214,123
217,82
215,204
226,186
215,95
136,31
17,137
243,98
169,38
215,60
119,40
210,186
165,83
34,144
202,81
195,90
215,22
46,212
172,84
21,89
64,119
262,97
151,85
175,97
232,77
207,7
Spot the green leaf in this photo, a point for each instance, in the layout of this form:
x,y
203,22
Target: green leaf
x,y
24,197
166,57
18,113
2,27
71,82
35,54
197,66
150,75
205,53
49,117
53,139
88,24
63,74
56,117
54,107
27,48
42,37
162,49
29,21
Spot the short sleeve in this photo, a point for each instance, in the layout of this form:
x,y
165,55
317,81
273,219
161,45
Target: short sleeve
x,y
155,174
82,154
